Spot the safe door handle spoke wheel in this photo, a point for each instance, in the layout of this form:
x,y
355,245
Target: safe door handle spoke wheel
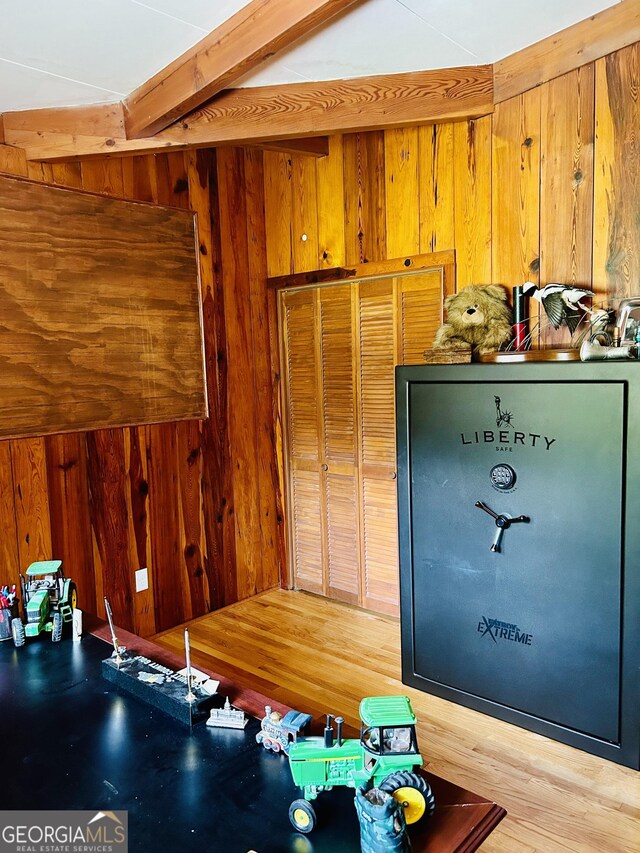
x,y
503,522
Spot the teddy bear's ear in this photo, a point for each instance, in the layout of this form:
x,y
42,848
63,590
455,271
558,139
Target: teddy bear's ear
x,y
496,292
449,299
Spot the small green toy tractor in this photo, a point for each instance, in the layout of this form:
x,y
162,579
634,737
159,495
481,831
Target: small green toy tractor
x,y
386,755
48,601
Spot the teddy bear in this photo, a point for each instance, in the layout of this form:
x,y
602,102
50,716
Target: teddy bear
x,y
477,317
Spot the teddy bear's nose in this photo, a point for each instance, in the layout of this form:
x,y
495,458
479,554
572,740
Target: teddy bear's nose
x,y
471,310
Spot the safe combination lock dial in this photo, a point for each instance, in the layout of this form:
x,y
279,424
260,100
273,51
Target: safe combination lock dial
x,y
503,522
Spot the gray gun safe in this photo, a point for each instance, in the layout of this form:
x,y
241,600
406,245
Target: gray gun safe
x,y
519,525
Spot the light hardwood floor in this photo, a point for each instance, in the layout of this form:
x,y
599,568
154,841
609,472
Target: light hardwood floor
x,y
321,656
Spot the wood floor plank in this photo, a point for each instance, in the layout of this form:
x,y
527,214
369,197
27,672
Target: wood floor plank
x,y
322,656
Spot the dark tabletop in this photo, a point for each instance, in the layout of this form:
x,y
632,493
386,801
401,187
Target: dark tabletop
x,y
72,741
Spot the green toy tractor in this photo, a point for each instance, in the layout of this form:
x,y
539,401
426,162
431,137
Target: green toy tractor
x,y
386,756
48,601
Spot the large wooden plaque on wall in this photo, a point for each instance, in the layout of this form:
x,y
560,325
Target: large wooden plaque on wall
x,y
100,315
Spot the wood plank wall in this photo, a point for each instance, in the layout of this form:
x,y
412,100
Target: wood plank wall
x,y
547,188
194,502
543,190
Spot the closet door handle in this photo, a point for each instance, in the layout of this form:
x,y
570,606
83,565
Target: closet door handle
x,y
393,475
324,467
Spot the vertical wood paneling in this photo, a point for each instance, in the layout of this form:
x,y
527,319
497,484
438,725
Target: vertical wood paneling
x,y
402,192
516,190
472,188
137,499
566,186
364,197
9,558
171,589
67,175
103,176
31,497
106,474
270,506
278,173
217,479
68,497
304,229
40,172
13,161
193,544
242,426
140,178
330,182
616,259
436,187
173,450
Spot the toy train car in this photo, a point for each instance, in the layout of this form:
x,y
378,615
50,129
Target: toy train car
x,y
278,733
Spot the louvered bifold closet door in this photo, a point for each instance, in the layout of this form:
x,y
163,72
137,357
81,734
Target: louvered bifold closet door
x,y
341,344
339,441
377,347
303,428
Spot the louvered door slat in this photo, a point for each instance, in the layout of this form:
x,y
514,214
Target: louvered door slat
x,y
377,416
342,535
380,538
420,309
307,531
379,587
302,390
338,381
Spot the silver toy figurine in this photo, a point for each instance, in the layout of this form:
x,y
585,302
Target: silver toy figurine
x,y
118,650
190,697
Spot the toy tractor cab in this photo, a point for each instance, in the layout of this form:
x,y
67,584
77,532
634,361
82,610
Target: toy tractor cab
x,y
386,757
48,601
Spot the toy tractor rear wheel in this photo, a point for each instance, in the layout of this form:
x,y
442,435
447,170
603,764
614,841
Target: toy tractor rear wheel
x,y
17,632
302,816
413,791
56,631
73,596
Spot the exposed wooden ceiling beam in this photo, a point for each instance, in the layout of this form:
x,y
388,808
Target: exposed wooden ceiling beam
x,y
266,114
597,36
257,31
106,122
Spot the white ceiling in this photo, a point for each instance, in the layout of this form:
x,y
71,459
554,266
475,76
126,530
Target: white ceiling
x,y
71,52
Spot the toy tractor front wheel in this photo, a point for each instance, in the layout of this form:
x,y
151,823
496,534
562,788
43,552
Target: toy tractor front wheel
x,y
413,792
302,816
17,632
56,631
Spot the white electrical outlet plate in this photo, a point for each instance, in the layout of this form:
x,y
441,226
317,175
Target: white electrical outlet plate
x,y
142,580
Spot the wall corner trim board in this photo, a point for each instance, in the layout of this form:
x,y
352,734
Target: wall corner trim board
x,y
101,311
